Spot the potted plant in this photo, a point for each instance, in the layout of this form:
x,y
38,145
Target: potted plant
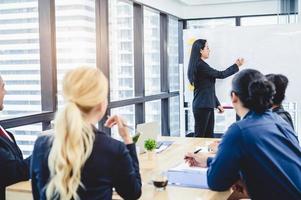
x,y
150,146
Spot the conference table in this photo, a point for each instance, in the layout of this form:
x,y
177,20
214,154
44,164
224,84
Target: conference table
x,y
168,158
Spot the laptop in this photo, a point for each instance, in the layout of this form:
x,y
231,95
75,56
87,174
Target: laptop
x,y
150,130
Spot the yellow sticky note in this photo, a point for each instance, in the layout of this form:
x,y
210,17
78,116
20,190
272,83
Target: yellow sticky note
x,y
191,40
190,87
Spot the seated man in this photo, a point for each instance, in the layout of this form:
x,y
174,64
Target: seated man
x,y
12,166
280,81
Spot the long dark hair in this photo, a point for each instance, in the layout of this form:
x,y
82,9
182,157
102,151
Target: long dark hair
x,y
254,90
195,57
280,81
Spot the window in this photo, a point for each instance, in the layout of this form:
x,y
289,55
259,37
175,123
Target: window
x,y
293,18
128,114
76,46
152,51
263,20
20,66
26,137
153,111
75,37
210,23
174,116
20,57
121,39
173,54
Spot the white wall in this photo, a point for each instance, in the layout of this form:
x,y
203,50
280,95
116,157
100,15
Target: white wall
x,y
231,9
215,10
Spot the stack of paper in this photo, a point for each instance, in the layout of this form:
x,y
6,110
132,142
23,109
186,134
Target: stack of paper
x,y
184,175
162,145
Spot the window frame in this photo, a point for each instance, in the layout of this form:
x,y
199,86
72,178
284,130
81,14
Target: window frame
x,y
48,65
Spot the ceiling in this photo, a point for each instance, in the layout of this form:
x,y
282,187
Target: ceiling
x,y
212,2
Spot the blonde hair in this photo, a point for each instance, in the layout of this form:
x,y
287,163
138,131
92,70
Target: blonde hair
x,y
83,89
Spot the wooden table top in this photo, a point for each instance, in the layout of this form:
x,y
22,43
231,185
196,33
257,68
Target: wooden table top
x,y
170,157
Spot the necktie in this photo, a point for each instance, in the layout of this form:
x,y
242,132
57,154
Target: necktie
x,y
3,134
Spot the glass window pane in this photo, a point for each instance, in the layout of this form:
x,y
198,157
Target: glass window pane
x,y
263,20
128,114
75,37
20,57
153,111
174,116
26,136
293,18
173,54
121,49
151,51
210,23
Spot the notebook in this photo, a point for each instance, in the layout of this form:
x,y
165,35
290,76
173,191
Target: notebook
x,y
186,176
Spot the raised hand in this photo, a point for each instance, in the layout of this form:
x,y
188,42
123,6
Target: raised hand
x,y
240,61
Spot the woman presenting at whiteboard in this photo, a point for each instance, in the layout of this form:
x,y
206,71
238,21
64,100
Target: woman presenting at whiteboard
x,y
202,77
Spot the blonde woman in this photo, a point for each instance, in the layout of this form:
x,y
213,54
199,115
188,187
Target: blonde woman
x,y
78,161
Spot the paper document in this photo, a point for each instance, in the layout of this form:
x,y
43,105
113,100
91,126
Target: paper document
x,y
184,175
162,145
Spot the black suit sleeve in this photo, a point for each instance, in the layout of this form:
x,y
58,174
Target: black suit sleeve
x,y
207,70
127,180
217,103
13,170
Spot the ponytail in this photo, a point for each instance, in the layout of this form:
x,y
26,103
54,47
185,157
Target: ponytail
x,y
72,145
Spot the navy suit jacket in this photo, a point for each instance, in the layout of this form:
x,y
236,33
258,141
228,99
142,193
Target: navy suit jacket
x,y
204,84
13,168
111,164
264,151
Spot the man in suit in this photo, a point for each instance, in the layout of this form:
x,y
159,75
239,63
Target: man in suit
x,y
13,168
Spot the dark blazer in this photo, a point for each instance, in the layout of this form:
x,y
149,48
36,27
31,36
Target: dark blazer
x,y
204,84
284,115
12,166
111,164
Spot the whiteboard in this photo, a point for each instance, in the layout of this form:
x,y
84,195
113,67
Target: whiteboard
x,y
269,49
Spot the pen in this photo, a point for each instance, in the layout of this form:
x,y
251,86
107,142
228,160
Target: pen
x,y
129,127
197,151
